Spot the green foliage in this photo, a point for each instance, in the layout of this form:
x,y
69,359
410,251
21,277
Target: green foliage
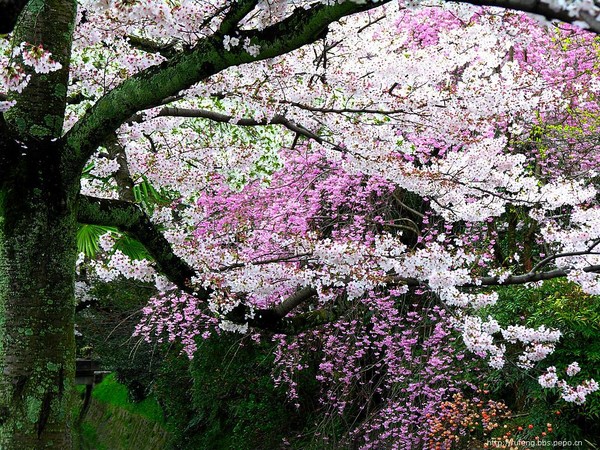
x,y
106,328
557,304
115,422
224,399
88,237
131,247
148,195
114,393
88,437
172,386
106,334
230,398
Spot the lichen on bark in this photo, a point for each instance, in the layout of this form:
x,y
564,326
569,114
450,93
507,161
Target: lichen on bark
x,y
37,260
39,109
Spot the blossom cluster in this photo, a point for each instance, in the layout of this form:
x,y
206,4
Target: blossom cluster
x,y
16,65
424,154
572,394
407,358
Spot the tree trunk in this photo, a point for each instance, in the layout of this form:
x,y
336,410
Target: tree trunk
x,y
37,262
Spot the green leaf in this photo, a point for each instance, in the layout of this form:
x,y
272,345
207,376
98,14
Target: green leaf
x,y
88,237
131,247
86,172
147,194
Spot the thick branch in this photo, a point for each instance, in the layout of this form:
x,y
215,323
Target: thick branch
x,y
275,319
541,8
129,218
39,109
277,119
149,87
294,301
10,13
122,176
235,15
167,50
529,277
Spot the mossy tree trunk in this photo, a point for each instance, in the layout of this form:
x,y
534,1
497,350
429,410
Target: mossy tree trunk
x,y
40,172
37,260
38,226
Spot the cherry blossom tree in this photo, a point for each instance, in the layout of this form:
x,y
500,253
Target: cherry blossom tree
x,y
321,158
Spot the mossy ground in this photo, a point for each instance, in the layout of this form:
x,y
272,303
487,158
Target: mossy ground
x,y
114,422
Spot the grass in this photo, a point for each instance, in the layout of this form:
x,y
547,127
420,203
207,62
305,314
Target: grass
x,y
114,393
89,438
118,420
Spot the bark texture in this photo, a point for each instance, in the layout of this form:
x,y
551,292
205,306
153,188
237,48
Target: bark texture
x,y
10,12
37,246
39,111
37,348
